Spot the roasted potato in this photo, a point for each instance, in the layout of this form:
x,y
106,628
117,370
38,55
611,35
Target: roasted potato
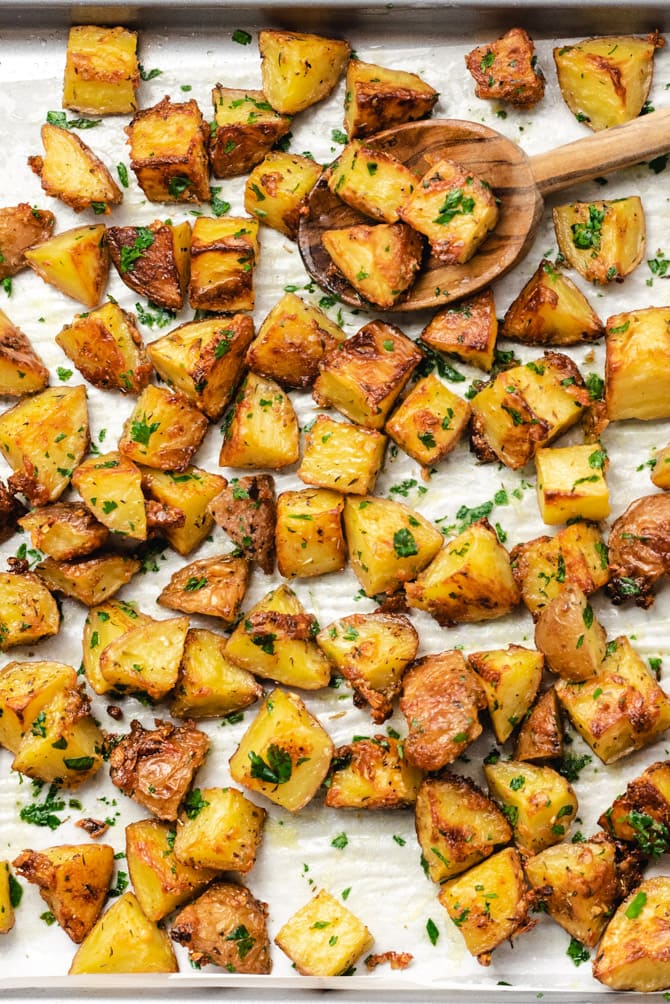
x,y
76,262
378,97
6,907
153,260
101,70
21,369
164,430
25,690
571,483
91,580
429,422
213,586
219,829
146,657
63,743
71,172
190,492
245,127
247,511
276,190
637,361
21,227
551,310
111,487
29,611
308,533
539,804
168,152
467,329
299,69
507,70
380,260
226,926
343,457
633,951
209,684
324,938
224,254
371,180
105,623
107,349
125,941
569,635
511,678
638,552
603,240
372,774
641,815
261,429
540,737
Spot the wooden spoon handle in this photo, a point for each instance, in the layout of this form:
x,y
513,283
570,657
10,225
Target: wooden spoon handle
x,y
639,140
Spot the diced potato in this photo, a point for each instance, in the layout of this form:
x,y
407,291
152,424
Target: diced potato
x,y
571,483
551,310
633,952
469,580
284,754
543,567
371,180
541,734
153,261
213,586
89,580
276,190
603,240
489,903
6,907
660,474
111,487
224,253
454,209
73,880
324,938
262,430
28,610
430,421
101,70
637,364
190,492
161,881
209,684
309,535
372,652
43,438
467,329
223,832
76,262
378,98
380,260
292,341
146,657
526,407
299,69
246,509
569,635
164,430
21,227
21,369
125,941
64,530
245,128
605,81
511,678
62,743
538,802
621,708
107,349
642,814
226,926
441,700
104,623
168,152
638,553
71,172
457,825
507,70
25,690
372,774
387,542
341,456
276,640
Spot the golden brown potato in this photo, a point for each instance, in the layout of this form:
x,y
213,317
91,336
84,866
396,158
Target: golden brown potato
x,y
378,98
71,172
636,364
63,744
156,767
111,486
219,828
25,689
307,937
641,815
277,188
603,240
91,580
105,623
29,611
343,457
125,941
164,430
570,636
299,69
21,227
6,906
213,586
429,422
190,492
153,261
146,656
101,70
638,549
11,509
262,430
539,804
571,483
168,152
467,329
21,369
540,737
308,533
511,678
245,127
371,180
507,70
64,530
107,349
380,260
372,774
226,926
209,684
633,953
224,254
76,262
551,310
247,511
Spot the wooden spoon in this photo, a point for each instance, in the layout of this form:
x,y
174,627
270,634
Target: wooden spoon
x,y
520,182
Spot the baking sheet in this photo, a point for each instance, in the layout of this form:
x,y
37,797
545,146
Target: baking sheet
x,y
380,863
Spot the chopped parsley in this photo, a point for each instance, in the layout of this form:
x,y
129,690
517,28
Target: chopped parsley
x,y
277,768
404,543
129,253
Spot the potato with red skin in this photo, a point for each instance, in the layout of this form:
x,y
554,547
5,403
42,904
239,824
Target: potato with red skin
x,y
639,549
226,927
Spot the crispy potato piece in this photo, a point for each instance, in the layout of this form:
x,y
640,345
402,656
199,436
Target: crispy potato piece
x,y
373,181
247,511
64,530
226,927
308,533
551,310
146,657
603,240
660,474
190,492
28,610
111,486
6,908
21,227
101,70
637,363
511,678
372,652
224,254
245,127
372,774
380,260
168,152
441,700
507,70
638,550
104,623
155,767
25,690
299,69
71,172
262,430
164,430
107,349
21,369
569,635
124,941
90,580
11,509
209,684
220,829
276,190
641,815
429,422
213,586
539,803
541,734
571,483
467,329
341,456
457,825
76,262
73,880
63,742
307,937
153,260
633,952
378,98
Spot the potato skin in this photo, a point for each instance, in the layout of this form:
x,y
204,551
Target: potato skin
x,y
505,70
20,227
209,928
633,953
639,549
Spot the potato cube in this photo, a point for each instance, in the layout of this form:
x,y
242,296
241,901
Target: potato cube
x,y
541,734
344,457
641,815
213,586
604,241
511,678
387,542
372,774
429,422
261,429
107,349
71,172
371,651
246,509
245,127
64,530
284,754
299,69
226,926
21,369
457,825
309,533
324,938
633,952
538,802
380,261
104,623
153,261
467,330
571,483
125,941
222,831
637,364
569,635
76,262
276,190
90,580
276,640
25,690
371,180
469,580
551,310
111,487
21,227
378,98
637,553
190,492
161,881
101,70
164,430
489,903
6,907
29,611
63,743
168,152
146,657
224,253
507,70
621,708
209,684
